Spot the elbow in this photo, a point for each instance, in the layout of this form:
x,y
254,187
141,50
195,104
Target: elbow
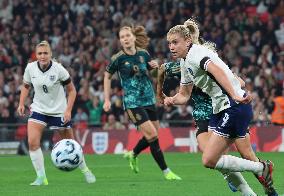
x,y
185,95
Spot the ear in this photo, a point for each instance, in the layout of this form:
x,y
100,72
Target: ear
x,y
188,42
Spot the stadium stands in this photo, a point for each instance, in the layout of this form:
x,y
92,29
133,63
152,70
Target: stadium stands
x,y
83,35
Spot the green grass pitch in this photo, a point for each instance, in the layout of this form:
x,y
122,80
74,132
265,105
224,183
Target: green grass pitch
x,y
115,178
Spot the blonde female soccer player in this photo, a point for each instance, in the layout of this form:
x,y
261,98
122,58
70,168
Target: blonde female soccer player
x,y
49,107
201,66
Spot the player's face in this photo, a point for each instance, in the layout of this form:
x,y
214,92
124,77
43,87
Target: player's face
x,y
126,38
178,45
43,55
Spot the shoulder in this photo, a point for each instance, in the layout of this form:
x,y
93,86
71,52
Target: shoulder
x,y
168,65
197,53
57,65
31,65
198,50
173,63
117,55
143,51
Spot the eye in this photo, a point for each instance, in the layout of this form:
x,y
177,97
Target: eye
x,y
40,53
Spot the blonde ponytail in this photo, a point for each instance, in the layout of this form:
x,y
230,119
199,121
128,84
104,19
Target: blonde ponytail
x,y
193,29
190,30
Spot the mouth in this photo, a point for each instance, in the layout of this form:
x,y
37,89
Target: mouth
x,y
43,61
174,53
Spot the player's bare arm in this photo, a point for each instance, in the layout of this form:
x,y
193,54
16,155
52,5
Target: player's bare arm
x,y
24,93
242,82
107,83
224,81
160,82
181,97
71,91
153,64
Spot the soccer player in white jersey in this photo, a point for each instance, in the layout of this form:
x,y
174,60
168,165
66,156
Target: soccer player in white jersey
x,y
49,107
201,66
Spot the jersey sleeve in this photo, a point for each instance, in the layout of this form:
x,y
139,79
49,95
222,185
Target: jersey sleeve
x,y
185,78
27,76
113,66
64,76
200,57
204,63
147,59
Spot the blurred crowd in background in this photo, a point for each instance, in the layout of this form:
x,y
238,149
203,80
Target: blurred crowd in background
x,y
249,35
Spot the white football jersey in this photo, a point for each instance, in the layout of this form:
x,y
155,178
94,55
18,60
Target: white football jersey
x,y
49,95
194,69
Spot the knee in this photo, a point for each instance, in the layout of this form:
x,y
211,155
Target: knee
x,y
33,145
151,134
208,162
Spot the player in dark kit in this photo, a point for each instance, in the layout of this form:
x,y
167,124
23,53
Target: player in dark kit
x,y
132,64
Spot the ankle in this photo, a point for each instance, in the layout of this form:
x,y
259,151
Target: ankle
x,y
166,171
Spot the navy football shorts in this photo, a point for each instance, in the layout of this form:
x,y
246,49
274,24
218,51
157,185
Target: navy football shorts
x,y
232,122
52,122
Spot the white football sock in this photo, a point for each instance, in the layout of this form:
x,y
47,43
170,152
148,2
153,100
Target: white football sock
x,y
236,179
166,170
228,163
83,167
38,162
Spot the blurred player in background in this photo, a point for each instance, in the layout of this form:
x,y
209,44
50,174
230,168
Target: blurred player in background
x,y
132,64
201,66
49,107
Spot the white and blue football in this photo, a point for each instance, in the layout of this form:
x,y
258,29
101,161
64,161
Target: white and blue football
x,y
67,155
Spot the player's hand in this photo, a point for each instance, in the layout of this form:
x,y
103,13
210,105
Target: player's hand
x,y
107,105
153,64
161,97
67,116
168,101
21,110
247,99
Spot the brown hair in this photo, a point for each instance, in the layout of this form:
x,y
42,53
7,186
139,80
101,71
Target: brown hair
x,y
142,40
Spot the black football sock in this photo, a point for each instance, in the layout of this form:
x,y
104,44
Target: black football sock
x,y
140,146
157,153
